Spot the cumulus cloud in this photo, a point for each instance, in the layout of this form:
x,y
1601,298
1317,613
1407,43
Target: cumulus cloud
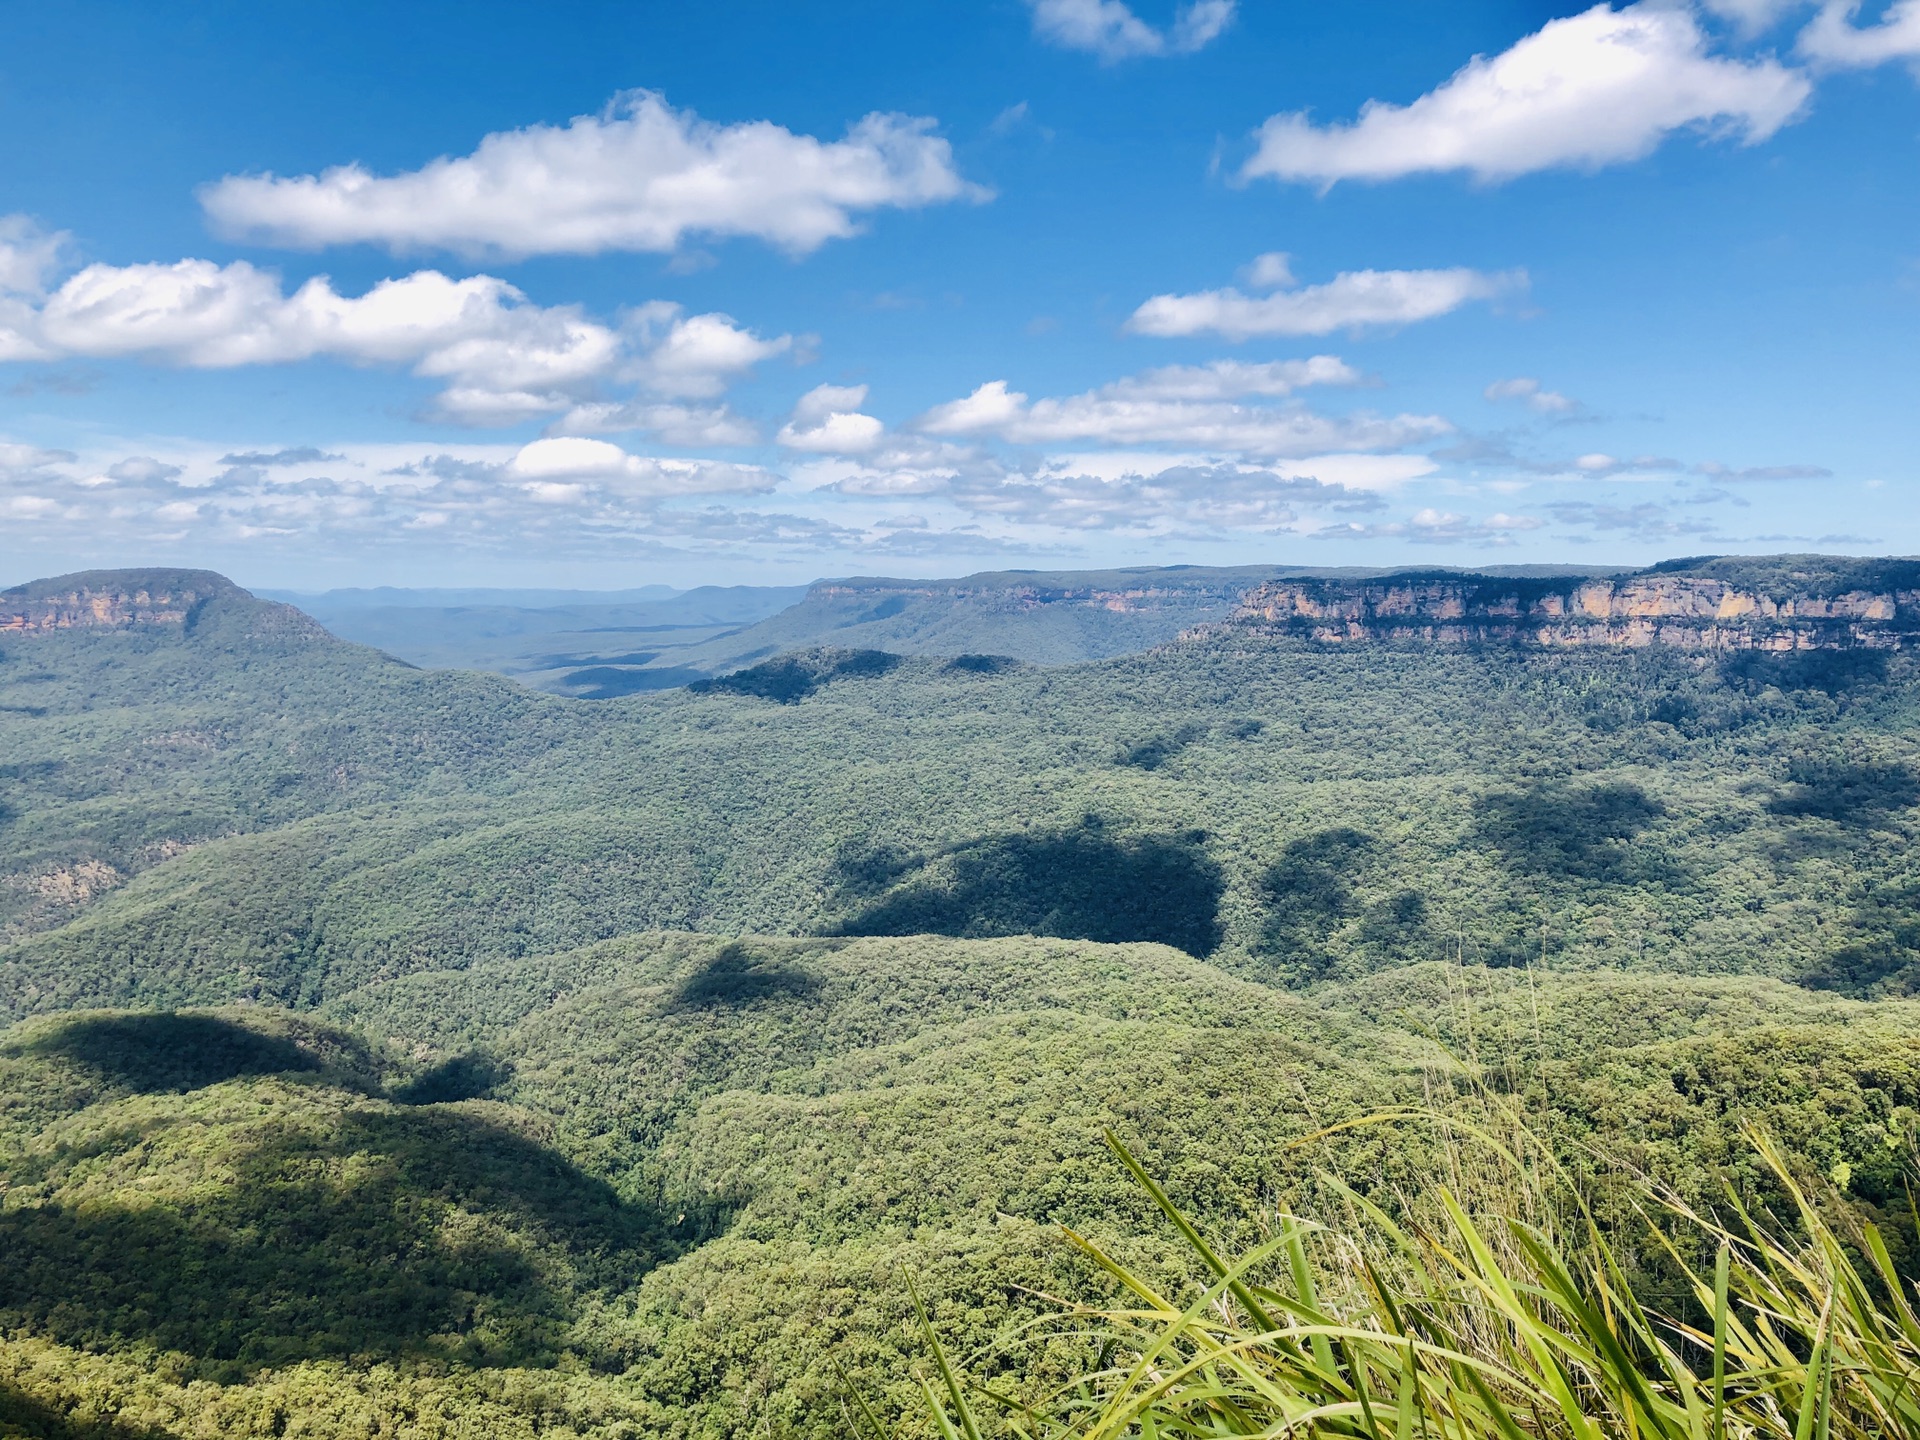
x,y
1529,392
566,468
500,357
1148,409
1110,29
695,356
1352,300
141,469
828,420
638,176
1593,89
1834,41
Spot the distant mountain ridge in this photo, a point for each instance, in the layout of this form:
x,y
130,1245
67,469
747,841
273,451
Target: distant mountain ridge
x,y
1790,602
1783,603
1042,617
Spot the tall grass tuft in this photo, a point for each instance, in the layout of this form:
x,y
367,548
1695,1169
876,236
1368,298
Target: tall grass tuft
x,y
1499,1311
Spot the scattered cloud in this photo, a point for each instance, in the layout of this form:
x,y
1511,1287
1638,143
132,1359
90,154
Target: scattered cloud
x,y
1232,379
1598,88
1352,300
1181,499
828,420
672,424
143,470
1645,521
695,356
1110,30
1718,471
1529,392
1429,526
297,455
1833,41
501,358
1151,409
570,467
638,176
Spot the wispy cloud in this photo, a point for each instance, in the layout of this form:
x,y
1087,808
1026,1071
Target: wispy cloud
x,y
1191,406
1529,392
1352,300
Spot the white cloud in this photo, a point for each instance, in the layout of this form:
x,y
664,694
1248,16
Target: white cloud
x,y
1529,392
1110,30
1592,89
674,424
827,420
501,358
1118,415
1230,379
1832,39
565,468
557,496
638,176
1351,300
1430,526
696,356
141,469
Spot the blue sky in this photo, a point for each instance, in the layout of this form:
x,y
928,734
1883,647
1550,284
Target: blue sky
x,y
607,294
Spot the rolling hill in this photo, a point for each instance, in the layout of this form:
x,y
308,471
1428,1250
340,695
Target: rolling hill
x,y
411,1049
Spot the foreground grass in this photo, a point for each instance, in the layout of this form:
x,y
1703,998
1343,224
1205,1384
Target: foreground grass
x,y
1504,1310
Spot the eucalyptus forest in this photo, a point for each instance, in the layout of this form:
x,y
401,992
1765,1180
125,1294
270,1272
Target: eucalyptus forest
x,y
1151,1003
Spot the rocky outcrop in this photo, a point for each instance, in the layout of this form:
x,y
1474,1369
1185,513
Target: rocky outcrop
x,y
1693,612
111,599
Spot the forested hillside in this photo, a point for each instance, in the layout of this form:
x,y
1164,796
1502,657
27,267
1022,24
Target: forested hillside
x,y
666,1185
408,1052
245,808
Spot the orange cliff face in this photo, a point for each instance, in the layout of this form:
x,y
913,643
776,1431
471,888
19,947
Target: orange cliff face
x,y
1684,611
84,602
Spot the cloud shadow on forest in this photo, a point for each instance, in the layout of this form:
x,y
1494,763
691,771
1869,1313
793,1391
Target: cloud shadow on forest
x,y
163,1052
1078,884
425,1234
1555,830
1849,792
735,978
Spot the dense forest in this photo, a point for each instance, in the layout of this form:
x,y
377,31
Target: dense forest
x,y
408,1052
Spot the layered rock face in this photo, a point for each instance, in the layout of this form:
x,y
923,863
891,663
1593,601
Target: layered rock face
x,y
1684,611
111,599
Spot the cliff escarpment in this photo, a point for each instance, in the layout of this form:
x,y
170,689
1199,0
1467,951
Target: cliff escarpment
x,y
111,599
183,602
1769,604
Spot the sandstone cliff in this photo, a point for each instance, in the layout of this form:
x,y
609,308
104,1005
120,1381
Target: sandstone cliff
x,y
111,599
1692,611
